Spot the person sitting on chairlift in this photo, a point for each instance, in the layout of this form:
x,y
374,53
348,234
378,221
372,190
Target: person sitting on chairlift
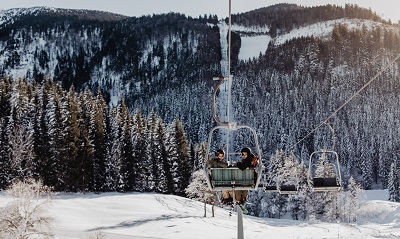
x,y
218,160
227,196
248,159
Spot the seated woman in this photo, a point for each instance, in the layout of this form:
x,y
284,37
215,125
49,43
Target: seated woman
x,y
248,160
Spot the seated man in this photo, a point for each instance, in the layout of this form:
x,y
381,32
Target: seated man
x,y
218,161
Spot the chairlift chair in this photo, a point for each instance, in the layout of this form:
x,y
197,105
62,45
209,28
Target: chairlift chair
x,y
324,171
281,188
232,178
283,184
268,186
289,185
288,188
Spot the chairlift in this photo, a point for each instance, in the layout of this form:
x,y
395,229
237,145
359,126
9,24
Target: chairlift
x,y
288,188
231,178
281,189
284,186
324,168
324,171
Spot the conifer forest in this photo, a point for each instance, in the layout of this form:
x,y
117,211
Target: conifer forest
x,y
96,102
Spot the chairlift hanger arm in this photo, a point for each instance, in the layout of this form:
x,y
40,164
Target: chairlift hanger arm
x,y
220,80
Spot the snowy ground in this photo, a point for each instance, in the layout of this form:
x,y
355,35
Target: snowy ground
x,y
146,215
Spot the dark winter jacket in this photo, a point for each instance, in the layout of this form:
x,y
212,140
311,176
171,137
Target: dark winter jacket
x,y
217,163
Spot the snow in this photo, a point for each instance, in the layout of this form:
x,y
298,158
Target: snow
x,y
256,40
253,46
150,215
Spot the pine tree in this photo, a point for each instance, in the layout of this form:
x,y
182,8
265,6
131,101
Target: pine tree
x,y
20,131
54,167
98,136
297,202
179,156
354,191
394,183
142,162
41,139
166,180
198,190
73,164
153,175
128,168
86,149
113,159
274,167
5,111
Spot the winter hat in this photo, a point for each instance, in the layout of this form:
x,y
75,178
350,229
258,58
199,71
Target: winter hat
x,y
246,150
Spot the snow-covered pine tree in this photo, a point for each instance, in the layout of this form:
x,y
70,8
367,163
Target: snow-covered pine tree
x,y
129,168
275,165
20,131
200,153
71,117
153,173
141,160
273,204
179,156
113,160
354,197
394,183
163,163
5,110
98,135
53,171
198,190
297,202
86,149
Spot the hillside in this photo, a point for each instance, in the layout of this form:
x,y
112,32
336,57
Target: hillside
x,y
307,63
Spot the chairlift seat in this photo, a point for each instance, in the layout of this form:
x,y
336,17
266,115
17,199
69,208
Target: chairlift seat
x,y
325,184
288,189
270,188
232,178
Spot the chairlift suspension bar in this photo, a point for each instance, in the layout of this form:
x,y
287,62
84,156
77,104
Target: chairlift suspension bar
x,y
229,75
220,80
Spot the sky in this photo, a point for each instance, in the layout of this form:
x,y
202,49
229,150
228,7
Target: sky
x,y
152,216
385,8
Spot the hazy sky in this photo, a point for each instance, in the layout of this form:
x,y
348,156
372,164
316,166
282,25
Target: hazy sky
x,y
385,8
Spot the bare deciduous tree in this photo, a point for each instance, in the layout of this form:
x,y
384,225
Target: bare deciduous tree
x,y
26,215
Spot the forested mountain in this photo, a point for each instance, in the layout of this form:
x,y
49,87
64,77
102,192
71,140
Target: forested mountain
x,y
164,64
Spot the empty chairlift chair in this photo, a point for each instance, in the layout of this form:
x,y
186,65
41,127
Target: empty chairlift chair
x,y
283,185
268,186
324,171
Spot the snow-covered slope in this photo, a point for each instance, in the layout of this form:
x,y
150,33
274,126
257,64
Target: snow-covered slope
x,y
256,40
11,15
146,215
